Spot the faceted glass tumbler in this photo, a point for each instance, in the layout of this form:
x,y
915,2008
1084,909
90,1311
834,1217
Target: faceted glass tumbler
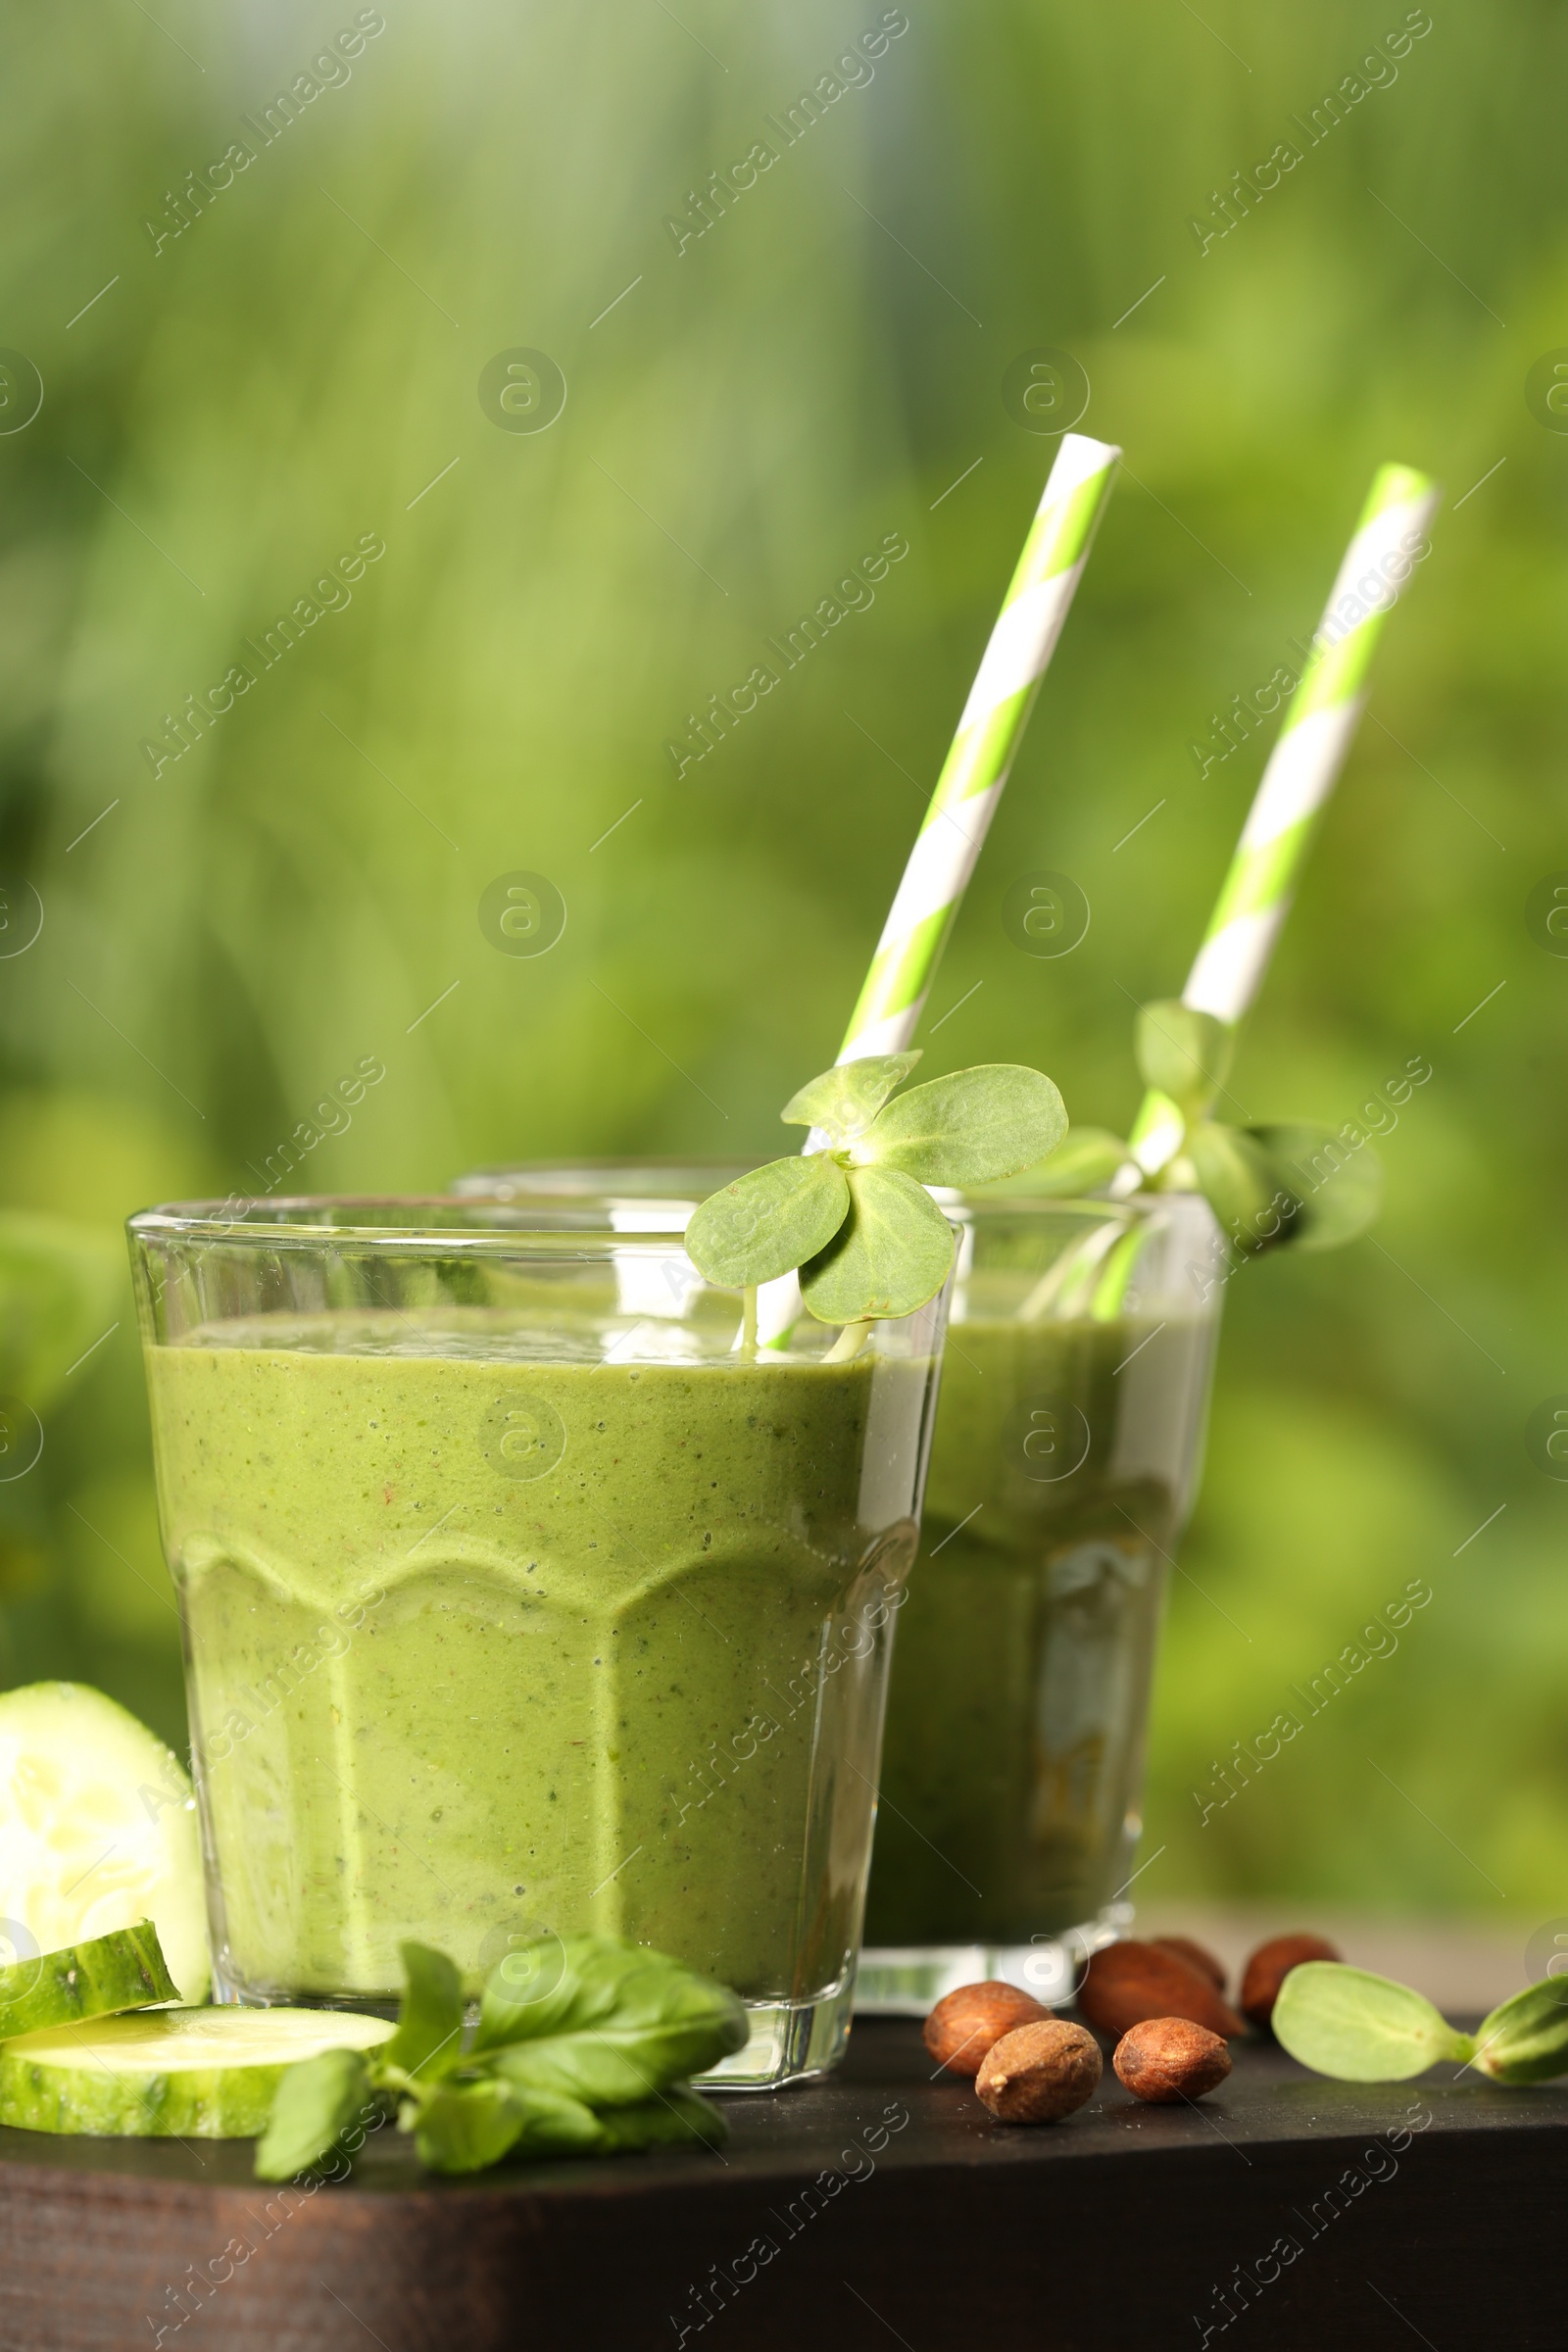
x,y
1068,1442
523,1596
1069,1436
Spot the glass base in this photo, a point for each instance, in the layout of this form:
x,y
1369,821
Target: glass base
x,y
791,2042
239,1993
909,1980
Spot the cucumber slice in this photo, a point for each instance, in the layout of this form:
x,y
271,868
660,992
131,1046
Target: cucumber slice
x,y
168,2073
97,1832
123,1970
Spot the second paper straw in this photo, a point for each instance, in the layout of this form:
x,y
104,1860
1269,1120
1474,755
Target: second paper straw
x,y
1302,772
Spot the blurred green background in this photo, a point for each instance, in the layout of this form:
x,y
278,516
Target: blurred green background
x,y
747,415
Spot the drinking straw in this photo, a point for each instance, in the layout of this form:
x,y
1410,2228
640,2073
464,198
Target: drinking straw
x,y
979,760
1302,772
987,737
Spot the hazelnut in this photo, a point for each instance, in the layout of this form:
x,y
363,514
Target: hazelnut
x,y
1195,1955
1170,2058
1129,1981
1038,2073
1271,1964
966,2023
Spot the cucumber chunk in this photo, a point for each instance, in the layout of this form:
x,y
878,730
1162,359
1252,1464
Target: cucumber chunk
x,y
123,1970
97,1832
168,2073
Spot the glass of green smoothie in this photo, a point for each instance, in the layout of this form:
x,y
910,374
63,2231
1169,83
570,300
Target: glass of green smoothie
x,y
523,1595
1069,1443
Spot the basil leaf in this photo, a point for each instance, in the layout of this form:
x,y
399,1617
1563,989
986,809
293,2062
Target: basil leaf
x,y
1525,2040
848,1097
1339,1186
1359,2027
971,1127
463,2126
313,2105
557,2126
892,1253
1241,1185
618,2023
1184,1054
428,2040
770,1221
679,2117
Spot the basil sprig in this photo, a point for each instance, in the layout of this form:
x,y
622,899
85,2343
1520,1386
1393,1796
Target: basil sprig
x,y
1294,1181
583,2048
1359,2027
855,1218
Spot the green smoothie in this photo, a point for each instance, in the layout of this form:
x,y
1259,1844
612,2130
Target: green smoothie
x,y
1014,1742
483,1641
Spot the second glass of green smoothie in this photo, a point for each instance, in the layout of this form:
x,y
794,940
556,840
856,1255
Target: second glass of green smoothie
x,y
523,1596
1069,1443
1069,1438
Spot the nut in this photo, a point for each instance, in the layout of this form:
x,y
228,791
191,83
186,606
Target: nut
x,y
1170,2058
1195,1955
1127,1982
1038,2073
966,2023
1271,1964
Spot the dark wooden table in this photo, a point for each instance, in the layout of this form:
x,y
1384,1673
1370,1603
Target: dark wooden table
x,y
876,2210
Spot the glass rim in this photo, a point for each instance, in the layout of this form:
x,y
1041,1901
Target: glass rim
x,y
317,1220
313,1227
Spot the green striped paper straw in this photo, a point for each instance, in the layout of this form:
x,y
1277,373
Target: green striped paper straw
x,y
989,734
1302,772
954,827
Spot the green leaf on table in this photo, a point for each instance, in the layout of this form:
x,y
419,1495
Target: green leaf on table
x,y
848,1097
1241,1185
556,2125
972,1127
429,2041
677,2118
567,2026
618,2023
1525,2040
316,2102
892,1253
1184,1054
1361,2027
1339,1185
463,2127
770,1221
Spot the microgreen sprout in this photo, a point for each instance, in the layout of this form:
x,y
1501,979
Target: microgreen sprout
x,y
855,1216
1292,1182
1359,2027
